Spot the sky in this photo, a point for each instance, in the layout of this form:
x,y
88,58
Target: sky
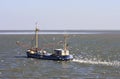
x,y
60,14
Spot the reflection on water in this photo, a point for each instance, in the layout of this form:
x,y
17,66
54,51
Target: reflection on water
x,y
96,57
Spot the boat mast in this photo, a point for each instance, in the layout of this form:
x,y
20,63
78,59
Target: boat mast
x,y
36,36
65,44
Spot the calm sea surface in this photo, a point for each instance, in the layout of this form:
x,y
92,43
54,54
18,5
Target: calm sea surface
x,y
96,56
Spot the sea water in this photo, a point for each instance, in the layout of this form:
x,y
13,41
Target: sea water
x,y
96,56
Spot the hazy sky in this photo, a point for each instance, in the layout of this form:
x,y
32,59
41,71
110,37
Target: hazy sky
x,y
60,14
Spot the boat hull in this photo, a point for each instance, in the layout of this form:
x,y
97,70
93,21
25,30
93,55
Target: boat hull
x,y
49,57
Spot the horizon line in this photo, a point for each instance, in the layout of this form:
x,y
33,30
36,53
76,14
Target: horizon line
x,y
58,30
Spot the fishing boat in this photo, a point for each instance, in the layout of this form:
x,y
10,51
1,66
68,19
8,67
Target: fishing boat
x,y
58,54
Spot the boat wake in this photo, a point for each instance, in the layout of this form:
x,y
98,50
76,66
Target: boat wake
x,y
97,62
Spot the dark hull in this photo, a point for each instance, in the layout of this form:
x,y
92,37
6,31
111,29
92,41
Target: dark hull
x,y
49,57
